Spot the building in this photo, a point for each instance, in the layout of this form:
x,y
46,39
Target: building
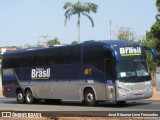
x,y
3,50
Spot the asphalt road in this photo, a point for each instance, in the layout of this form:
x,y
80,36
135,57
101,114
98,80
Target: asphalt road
x,y
138,105
67,108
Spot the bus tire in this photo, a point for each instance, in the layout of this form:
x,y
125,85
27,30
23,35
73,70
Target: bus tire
x,y
20,97
29,97
89,98
120,102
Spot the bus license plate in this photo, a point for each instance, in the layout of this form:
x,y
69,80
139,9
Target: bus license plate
x,y
138,95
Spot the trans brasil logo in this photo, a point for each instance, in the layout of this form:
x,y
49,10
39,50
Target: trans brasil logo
x,y
130,51
40,74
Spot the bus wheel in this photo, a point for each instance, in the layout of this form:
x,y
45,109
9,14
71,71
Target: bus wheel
x,y
20,97
120,102
89,98
29,97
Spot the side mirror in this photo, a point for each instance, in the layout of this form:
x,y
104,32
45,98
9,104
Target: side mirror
x,y
153,52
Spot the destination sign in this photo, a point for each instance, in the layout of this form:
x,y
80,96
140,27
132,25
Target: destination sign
x,y
130,51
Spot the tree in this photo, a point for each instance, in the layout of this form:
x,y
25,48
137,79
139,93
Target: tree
x,y
153,36
27,45
0,56
153,39
74,42
79,9
125,33
150,59
158,5
53,42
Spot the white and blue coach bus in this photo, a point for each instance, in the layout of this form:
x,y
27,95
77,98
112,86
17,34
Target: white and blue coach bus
x,y
92,71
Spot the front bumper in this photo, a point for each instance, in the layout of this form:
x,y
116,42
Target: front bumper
x,y
124,94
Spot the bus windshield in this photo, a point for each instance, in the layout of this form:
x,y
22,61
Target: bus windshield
x,y
132,67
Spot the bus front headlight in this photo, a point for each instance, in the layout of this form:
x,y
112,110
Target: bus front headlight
x,y
122,90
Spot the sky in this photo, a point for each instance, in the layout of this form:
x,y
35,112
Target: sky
x,y
26,21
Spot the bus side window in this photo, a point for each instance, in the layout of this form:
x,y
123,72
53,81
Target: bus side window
x,y
93,55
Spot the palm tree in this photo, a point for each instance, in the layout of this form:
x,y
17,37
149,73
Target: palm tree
x,y
79,8
158,5
158,8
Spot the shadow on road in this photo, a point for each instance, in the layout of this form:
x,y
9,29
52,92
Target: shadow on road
x,y
77,103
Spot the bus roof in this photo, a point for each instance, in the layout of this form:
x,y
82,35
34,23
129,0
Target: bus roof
x,y
109,43
112,43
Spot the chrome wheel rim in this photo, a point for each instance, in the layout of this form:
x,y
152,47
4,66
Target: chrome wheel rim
x,y
90,97
29,97
20,96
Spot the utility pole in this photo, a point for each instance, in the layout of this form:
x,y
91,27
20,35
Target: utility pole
x,y
110,29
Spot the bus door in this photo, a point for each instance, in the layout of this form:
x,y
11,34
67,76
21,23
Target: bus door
x,y
109,76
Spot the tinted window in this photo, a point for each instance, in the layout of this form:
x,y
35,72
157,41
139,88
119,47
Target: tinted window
x,y
52,56
93,54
